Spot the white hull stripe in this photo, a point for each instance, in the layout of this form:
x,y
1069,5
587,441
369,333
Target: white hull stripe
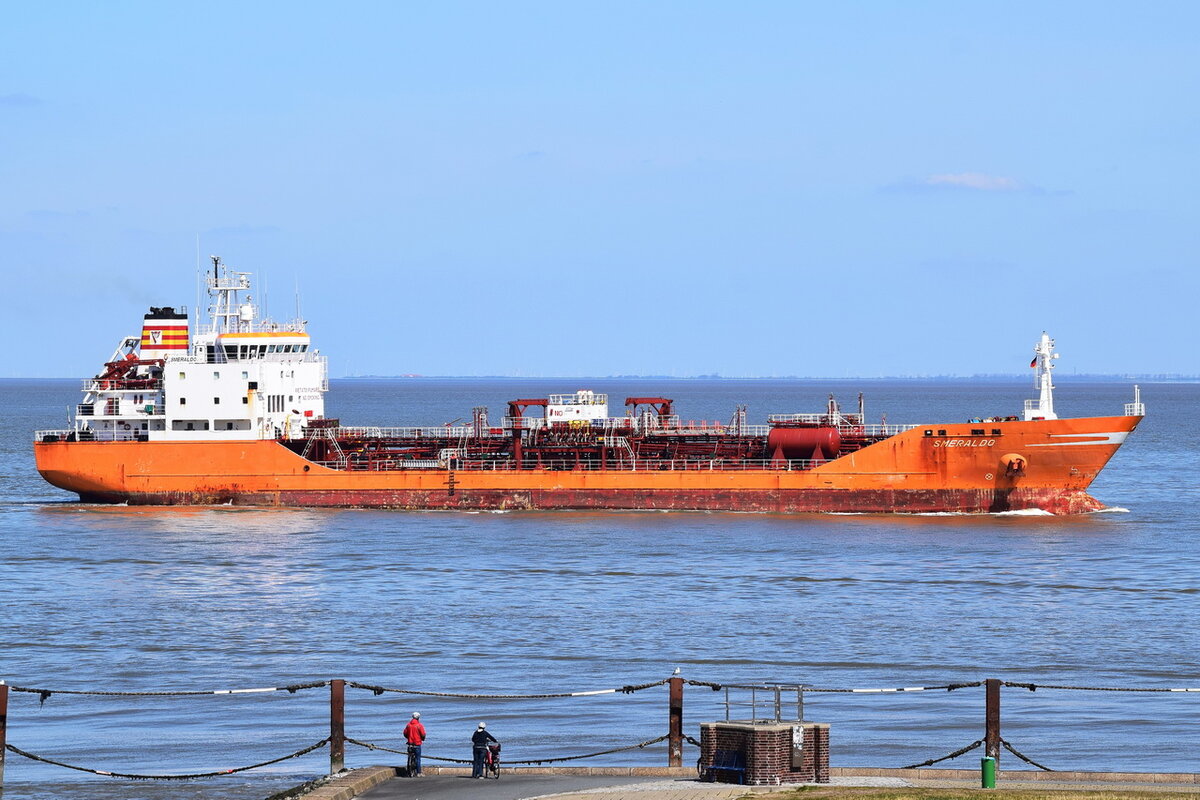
x,y
1086,438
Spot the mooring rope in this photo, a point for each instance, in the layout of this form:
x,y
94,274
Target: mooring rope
x,y
378,690
1008,746
949,687
44,694
639,745
190,776
371,746
955,754
1033,687
628,689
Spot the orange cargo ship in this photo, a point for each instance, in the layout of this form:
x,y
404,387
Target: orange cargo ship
x,y
235,414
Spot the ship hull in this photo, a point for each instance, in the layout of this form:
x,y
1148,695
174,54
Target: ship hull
x,y
849,501
943,468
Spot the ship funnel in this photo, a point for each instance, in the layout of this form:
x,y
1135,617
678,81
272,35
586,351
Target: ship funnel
x,y
164,331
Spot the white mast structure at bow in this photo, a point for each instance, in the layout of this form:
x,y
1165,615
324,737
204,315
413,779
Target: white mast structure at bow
x,y
1044,355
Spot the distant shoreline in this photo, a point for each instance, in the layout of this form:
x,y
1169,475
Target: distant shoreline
x,y
983,378
1004,378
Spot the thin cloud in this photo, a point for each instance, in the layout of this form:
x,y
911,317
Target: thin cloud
x,y
977,181
965,182
19,100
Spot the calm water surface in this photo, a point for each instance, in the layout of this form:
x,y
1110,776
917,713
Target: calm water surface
x,y
136,599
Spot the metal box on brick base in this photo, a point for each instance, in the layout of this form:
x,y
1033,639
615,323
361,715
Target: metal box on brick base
x,y
772,752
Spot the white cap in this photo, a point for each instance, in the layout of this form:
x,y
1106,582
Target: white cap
x,y
416,715
483,725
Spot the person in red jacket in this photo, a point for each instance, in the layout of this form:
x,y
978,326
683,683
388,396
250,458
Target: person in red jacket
x,y
414,733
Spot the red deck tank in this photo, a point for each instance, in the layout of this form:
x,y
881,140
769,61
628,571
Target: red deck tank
x,y
819,444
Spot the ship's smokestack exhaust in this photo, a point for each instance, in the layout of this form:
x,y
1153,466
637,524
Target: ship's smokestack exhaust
x,y
164,331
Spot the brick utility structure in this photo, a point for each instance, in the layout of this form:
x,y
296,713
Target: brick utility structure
x,y
773,752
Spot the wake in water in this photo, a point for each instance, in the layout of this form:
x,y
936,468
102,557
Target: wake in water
x,y
1023,512
1020,512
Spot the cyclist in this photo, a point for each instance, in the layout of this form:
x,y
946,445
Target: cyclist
x,y
479,748
414,733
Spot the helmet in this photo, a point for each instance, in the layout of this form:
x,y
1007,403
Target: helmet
x,y
482,725
416,715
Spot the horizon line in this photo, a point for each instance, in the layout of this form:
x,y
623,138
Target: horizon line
x,y
1007,376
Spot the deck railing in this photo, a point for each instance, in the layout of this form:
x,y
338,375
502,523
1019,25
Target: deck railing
x,y
98,410
570,465
121,384
425,432
89,436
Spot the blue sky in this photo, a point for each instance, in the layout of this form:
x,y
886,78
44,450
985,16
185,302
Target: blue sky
x,y
619,188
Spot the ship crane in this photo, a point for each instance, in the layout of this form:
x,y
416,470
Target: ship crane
x,y
663,406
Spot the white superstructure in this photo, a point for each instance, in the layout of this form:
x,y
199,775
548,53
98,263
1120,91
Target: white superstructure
x,y
240,377
584,405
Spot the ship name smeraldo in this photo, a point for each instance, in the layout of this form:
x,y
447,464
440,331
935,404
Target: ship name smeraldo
x,y
964,443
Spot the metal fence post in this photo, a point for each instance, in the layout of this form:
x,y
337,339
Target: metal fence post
x,y
3,729
991,735
337,726
675,728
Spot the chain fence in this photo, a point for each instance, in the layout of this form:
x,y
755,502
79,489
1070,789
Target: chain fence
x,y
44,694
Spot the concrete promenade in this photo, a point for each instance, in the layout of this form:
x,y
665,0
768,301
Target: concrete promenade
x,y
663,783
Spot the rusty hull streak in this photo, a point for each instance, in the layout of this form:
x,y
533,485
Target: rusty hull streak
x,y
968,501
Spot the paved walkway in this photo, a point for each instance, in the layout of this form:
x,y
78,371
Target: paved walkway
x,y
514,787
576,787
381,783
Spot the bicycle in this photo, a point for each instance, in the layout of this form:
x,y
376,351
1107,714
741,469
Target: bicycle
x,y
491,764
412,761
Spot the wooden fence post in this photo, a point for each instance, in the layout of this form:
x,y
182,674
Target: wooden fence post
x,y
337,726
675,728
991,735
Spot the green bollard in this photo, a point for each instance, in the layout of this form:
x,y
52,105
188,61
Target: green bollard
x,y
987,772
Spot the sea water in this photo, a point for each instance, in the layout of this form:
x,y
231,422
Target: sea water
x,y
118,598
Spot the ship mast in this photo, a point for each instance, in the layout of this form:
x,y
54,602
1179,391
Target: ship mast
x,y
226,313
1043,361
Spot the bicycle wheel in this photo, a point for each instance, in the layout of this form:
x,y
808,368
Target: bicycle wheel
x,y
412,762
